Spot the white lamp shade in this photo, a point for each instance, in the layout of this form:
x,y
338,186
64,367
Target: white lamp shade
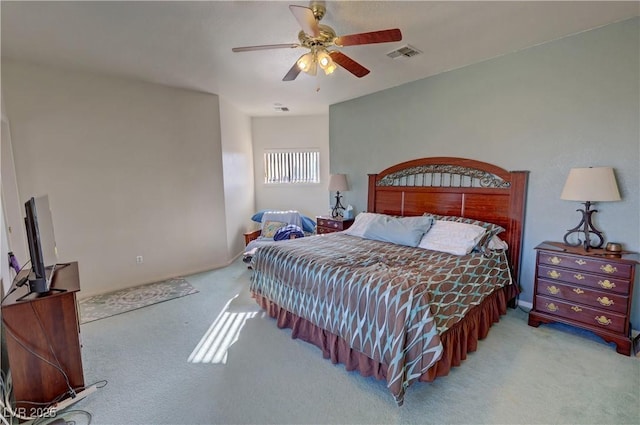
x,y
338,182
594,184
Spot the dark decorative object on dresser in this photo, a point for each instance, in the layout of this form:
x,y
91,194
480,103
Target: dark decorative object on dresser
x,y
588,289
330,224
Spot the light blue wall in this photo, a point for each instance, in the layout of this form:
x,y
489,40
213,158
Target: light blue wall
x,y
572,102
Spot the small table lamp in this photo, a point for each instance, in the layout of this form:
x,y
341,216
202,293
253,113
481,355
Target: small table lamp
x,y
593,184
337,183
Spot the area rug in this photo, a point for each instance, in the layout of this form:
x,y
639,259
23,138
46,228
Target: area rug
x,y
125,300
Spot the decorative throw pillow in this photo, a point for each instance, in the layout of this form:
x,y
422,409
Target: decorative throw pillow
x,y
290,231
452,237
269,228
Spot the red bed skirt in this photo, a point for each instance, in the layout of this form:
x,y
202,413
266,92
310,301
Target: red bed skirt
x,y
457,341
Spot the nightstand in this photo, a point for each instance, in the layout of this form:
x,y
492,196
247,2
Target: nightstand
x,y
330,224
588,289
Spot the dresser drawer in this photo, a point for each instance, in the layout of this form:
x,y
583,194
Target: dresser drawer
x,y
582,295
620,286
335,224
580,313
323,230
586,264
330,224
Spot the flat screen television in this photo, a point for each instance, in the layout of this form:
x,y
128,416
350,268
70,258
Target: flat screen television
x,y
41,242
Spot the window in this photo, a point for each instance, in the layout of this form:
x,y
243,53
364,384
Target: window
x,y
285,166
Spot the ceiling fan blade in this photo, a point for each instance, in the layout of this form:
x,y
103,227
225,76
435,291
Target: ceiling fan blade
x,y
293,73
305,18
265,47
349,64
382,36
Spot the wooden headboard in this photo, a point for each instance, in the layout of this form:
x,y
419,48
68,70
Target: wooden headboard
x,y
455,186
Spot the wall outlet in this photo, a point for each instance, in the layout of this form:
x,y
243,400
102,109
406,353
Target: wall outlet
x,y
139,259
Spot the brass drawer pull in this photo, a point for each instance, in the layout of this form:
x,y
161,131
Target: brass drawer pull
x,y
576,309
578,276
554,274
555,260
608,268
603,320
606,284
553,290
605,301
578,291
552,307
580,262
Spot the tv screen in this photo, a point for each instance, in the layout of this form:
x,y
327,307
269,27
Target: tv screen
x,y
41,241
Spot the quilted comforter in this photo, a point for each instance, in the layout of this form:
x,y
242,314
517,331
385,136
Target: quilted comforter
x,y
389,302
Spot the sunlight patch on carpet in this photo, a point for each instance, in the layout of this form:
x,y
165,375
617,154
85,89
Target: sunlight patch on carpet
x,y
221,335
125,300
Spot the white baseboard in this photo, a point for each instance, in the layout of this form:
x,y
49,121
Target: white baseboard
x,y
525,304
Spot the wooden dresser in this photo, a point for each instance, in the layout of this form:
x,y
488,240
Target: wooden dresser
x,y
43,340
330,224
588,289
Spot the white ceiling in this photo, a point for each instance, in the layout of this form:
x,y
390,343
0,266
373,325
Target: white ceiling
x,y
188,44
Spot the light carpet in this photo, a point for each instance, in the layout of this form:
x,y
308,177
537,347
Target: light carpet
x,y
519,375
125,300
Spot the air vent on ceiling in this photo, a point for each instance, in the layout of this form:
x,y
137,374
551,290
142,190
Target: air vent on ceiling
x,y
406,51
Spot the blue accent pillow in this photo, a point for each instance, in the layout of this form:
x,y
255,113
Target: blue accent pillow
x,y
406,231
308,225
257,217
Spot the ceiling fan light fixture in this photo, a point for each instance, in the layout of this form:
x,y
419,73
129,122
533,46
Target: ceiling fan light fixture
x,y
306,62
330,68
325,62
323,58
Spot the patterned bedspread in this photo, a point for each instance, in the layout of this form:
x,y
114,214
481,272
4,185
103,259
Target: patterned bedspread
x,y
390,302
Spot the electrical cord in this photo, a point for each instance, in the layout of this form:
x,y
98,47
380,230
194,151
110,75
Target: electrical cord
x,y
5,404
53,353
103,383
47,412
68,421
5,385
23,345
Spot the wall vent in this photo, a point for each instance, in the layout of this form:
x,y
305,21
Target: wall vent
x,y
406,51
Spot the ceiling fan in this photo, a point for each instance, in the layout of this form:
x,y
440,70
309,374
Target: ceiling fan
x,y
321,40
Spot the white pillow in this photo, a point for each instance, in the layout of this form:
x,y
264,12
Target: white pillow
x,y
452,237
496,243
361,223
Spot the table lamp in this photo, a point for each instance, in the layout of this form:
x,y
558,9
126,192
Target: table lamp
x,y
337,183
593,184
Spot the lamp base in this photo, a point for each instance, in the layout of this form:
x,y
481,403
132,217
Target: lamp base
x,y
587,228
338,208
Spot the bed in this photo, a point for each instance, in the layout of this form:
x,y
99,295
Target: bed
x,y
396,312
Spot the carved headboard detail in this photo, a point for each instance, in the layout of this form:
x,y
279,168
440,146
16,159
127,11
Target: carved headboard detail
x,y
455,186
